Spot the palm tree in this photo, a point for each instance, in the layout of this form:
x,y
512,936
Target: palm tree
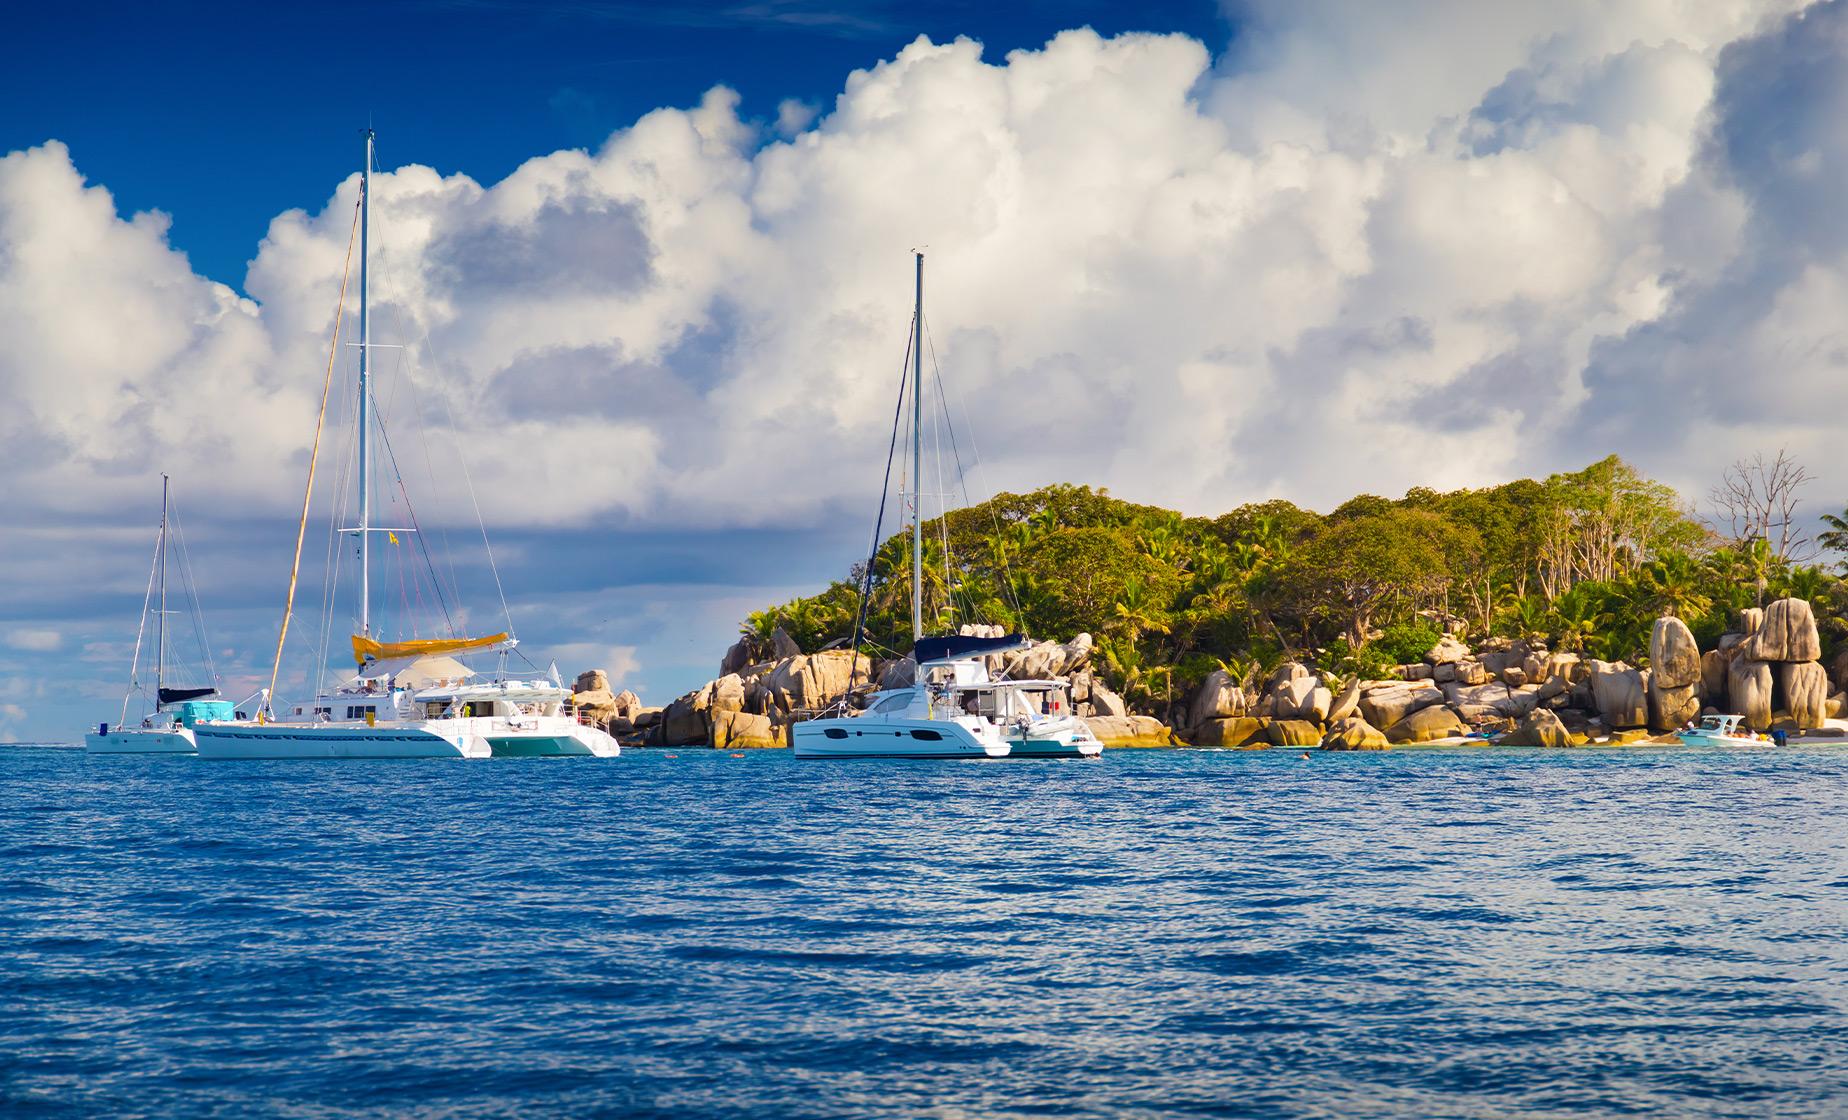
x,y
1137,612
1810,582
1576,614
1672,585
1835,537
1526,615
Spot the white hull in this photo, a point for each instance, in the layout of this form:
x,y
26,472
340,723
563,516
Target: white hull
x,y
435,738
1702,739
328,740
863,737
171,741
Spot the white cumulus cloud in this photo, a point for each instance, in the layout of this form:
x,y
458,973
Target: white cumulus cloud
x,y
1364,248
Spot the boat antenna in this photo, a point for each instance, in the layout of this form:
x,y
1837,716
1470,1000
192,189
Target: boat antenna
x,y
917,458
160,620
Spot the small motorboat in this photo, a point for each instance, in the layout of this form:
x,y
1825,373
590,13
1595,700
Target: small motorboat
x,y
1721,731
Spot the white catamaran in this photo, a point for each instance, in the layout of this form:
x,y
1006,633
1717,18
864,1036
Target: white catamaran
x,y
169,728
953,708
406,699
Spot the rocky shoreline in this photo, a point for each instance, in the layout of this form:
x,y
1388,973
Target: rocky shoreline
x,y
1499,691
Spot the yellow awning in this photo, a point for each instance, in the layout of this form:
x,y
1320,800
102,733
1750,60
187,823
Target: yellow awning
x,y
366,649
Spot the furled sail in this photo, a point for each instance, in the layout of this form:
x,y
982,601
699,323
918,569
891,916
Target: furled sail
x,y
175,695
366,649
953,647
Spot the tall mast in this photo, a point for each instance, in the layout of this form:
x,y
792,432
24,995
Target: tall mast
x,y
917,460
160,620
365,401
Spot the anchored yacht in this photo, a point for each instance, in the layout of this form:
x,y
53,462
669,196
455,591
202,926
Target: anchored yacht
x,y
954,708
410,698
169,728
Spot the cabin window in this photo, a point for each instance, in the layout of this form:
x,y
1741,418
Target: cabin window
x,y
894,703
932,736
835,733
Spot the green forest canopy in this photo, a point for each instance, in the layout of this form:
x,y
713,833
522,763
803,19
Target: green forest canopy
x,y
1584,561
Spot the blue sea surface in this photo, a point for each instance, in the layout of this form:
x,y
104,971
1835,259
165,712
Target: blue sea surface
x,y
1159,933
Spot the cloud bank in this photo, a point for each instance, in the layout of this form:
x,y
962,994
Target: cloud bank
x,y
1361,249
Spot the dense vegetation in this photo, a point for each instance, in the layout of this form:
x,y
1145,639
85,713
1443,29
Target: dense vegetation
x,y
1584,561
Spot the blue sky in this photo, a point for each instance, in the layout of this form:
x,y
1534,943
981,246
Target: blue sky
x,y
1308,249
161,100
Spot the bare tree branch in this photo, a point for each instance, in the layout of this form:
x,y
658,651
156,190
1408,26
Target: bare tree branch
x,y
1757,501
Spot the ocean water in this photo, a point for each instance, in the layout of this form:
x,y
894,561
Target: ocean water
x,y
1160,933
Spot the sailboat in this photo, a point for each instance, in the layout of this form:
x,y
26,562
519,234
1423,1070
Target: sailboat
x,y
954,708
406,699
178,711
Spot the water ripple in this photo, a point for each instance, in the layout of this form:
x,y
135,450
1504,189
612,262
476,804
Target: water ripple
x,y
1444,934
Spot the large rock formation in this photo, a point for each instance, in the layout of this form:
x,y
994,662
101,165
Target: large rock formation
x,y
1748,684
1618,691
1218,697
810,682
728,693
1675,674
738,730
1130,731
1383,707
742,654
1347,703
685,722
1043,660
1104,702
1539,728
1293,733
1227,731
1672,708
1788,633
1567,668
1354,734
1299,698
1806,691
1674,656
782,646
1713,667
1427,724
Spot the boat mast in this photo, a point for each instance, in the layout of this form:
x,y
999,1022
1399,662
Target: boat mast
x,y
917,460
160,619
365,401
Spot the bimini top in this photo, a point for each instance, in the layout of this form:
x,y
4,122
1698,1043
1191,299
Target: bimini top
x,y
956,647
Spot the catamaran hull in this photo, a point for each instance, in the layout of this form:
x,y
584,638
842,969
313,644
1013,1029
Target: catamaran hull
x,y
141,741
856,738
1053,748
576,741
274,740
